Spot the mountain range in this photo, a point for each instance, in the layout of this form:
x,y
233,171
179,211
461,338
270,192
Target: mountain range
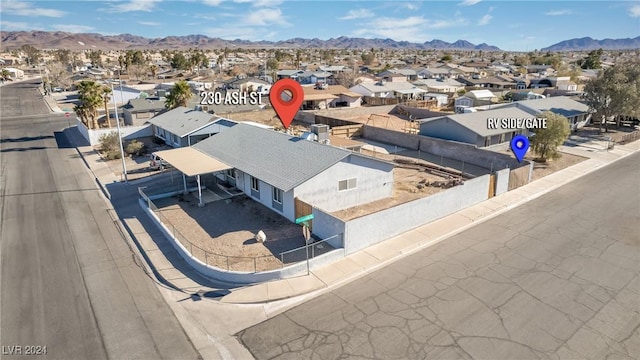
x,y
587,43
83,41
74,41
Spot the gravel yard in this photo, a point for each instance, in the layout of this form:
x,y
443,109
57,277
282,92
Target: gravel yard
x,y
227,232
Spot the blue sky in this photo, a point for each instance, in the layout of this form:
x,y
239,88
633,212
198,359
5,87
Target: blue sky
x,y
510,25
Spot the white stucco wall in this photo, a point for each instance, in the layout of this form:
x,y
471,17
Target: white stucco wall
x,y
266,196
374,182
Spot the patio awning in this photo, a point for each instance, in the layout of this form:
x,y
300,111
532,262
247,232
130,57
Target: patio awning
x,y
313,97
192,162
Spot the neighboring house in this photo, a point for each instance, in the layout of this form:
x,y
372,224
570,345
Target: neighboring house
x,y
289,74
406,74
313,77
321,175
183,126
332,96
401,90
472,128
493,82
440,85
441,99
138,111
15,73
246,84
576,112
434,73
122,94
540,69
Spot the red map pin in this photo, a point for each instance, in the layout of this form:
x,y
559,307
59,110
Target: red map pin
x,y
286,96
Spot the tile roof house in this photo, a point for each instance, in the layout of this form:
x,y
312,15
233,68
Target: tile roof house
x,y
183,126
400,89
275,168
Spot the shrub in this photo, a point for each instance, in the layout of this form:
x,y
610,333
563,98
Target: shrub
x,y
109,142
135,147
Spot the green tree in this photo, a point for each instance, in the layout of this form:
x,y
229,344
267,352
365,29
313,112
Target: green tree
x,y
6,75
179,62
592,61
32,54
135,147
615,91
446,58
105,93
179,95
272,67
368,58
89,95
154,70
546,141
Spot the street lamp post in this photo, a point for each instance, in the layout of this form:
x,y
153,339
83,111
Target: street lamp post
x,y
115,107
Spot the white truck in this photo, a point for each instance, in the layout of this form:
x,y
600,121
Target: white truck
x,y
156,163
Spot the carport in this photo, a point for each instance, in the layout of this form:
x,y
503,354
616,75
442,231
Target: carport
x,y
191,162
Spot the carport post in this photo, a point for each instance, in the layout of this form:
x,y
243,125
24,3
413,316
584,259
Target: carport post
x,y
200,204
184,182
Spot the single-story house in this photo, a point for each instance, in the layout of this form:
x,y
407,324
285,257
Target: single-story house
x,y
183,126
332,96
441,99
474,98
15,73
246,84
289,74
274,169
122,94
138,111
473,128
576,112
440,85
401,89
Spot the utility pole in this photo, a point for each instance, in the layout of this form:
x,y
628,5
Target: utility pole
x,y
115,107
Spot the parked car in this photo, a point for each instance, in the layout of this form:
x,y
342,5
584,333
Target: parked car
x,y
157,163
58,89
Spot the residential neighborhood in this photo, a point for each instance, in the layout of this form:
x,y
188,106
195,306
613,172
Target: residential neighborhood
x,y
319,182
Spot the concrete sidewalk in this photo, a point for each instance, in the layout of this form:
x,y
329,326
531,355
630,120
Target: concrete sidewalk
x,y
377,256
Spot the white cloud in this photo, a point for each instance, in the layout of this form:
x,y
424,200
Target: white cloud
x,y
26,9
149,23
485,20
634,11
260,3
204,17
410,6
358,14
469,2
72,28
245,33
558,12
14,26
133,5
212,2
265,17
413,28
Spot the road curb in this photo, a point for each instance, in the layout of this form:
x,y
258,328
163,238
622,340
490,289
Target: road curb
x,y
402,253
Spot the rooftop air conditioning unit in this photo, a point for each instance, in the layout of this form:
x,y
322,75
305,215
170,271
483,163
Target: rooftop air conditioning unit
x,y
321,131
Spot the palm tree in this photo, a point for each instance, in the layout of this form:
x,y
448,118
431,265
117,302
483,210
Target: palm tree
x,y
105,93
178,96
6,75
154,70
90,99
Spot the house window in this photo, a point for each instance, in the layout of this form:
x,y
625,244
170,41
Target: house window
x,y
255,187
231,174
276,202
277,195
347,184
176,139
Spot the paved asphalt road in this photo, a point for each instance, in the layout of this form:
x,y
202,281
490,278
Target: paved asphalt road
x,y
68,280
557,278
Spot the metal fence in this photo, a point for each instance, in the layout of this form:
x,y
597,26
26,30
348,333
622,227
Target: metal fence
x,y
239,263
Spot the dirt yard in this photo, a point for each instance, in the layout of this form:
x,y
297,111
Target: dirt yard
x,y
267,117
541,170
410,183
227,232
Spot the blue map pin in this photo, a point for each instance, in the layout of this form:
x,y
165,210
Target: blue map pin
x,y
519,146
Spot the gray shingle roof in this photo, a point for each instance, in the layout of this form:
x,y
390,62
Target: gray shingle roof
x,y
137,105
477,121
278,159
561,105
182,121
